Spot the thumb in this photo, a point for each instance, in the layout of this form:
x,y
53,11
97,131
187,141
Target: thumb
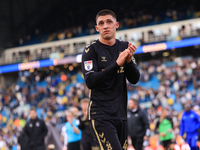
x,y
129,44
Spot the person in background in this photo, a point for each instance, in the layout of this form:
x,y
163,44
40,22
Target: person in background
x,y
75,112
35,130
87,141
73,132
52,139
198,140
65,138
138,124
154,144
3,145
180,144
165,127
190,124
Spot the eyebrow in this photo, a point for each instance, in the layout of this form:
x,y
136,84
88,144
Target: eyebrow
x,y
105,20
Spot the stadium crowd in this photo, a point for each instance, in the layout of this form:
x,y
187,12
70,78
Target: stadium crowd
x,y
169,84
130,15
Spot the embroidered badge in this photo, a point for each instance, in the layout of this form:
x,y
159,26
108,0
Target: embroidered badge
x,y
88,65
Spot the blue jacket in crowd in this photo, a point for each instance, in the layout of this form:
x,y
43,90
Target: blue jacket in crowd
x,y
190,122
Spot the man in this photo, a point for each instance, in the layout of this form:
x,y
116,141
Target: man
x,y
138,124
164,127
106,63
52,139
73,132
190,124
87,141
35,130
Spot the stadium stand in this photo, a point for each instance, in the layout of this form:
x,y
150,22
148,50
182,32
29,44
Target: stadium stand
x,y
140,36
130,15
169,84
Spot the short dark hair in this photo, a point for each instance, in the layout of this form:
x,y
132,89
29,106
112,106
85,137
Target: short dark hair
x,y
33,108
134,100
105,12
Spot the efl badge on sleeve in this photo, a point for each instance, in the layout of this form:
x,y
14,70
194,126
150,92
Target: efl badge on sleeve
x,y
88,65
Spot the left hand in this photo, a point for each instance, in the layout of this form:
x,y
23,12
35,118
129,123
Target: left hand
x,y
162,134
198,144
132,48
145,138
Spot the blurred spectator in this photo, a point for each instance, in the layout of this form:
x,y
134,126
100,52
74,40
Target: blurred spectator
x,y
190,124
87,141
65,137
35,130
169,83
75,112
180,144
198,141
3,144
138,124
73,132
154,144
165,129
52,139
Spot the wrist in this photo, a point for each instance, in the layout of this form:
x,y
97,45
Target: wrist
x,y
118,63
128,61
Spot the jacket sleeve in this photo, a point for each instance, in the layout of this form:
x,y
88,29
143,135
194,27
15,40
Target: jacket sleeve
x,y
64,134
182,126
197,119
25,130
170,119
81,126
145,122
156,130
92,76
45,130
47,137
132,72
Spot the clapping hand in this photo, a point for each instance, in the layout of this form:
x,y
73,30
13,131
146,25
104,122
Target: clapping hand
x,y
132,48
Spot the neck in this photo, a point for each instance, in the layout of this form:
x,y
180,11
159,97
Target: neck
x,y
109,42
33,118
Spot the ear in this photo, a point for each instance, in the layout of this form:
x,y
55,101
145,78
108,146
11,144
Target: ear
x,y
96,28
117,25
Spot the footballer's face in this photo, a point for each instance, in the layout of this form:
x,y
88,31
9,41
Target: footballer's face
x,y
106,26
33,114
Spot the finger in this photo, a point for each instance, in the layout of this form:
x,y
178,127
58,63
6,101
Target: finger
x,y
131,49
130,54
125,51
129,44
134,46
126,54
128,51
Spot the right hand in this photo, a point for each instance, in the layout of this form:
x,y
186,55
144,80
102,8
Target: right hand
x,y
162,134
122,57
198,144
132,48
